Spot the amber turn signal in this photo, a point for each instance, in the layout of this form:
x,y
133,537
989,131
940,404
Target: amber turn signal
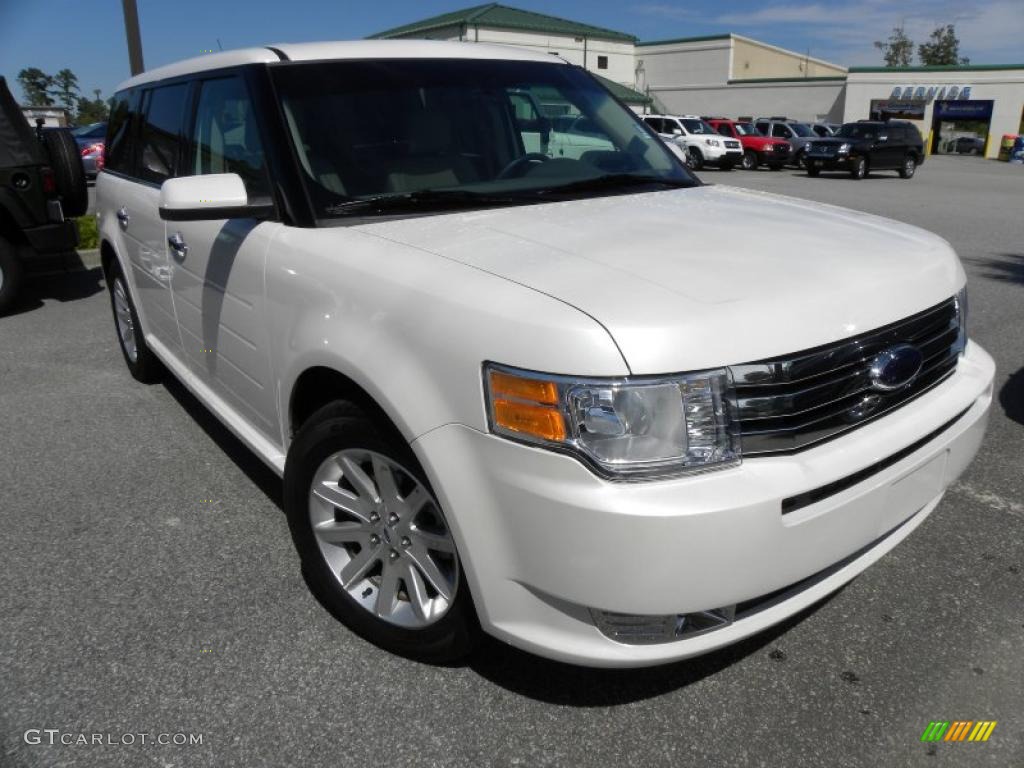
x,y
536,420
534,390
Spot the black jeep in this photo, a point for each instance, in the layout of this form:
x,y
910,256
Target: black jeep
x,y
42,188
866,146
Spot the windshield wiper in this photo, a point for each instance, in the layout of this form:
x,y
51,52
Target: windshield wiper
x,y
424,198
612,180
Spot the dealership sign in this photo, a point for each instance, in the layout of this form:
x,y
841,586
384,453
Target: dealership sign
x,y
930,93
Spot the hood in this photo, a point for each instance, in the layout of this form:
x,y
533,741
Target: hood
x,y
698,278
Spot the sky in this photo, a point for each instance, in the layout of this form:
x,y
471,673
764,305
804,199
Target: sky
x,y
88,38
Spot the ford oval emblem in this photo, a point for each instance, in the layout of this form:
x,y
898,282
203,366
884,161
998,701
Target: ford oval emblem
x,y
895,367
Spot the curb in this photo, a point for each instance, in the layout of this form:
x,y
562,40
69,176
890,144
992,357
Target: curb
x,y
90,257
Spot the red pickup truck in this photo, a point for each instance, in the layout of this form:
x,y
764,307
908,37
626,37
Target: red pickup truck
x,y
757,149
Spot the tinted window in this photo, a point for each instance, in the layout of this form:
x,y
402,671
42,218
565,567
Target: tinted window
x,y
119,134
91,131
161,139
858,131
781,131
654,122
725,129
698,127
225,137
763,128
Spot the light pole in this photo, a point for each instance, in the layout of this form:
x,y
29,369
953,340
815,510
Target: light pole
x,y
131,31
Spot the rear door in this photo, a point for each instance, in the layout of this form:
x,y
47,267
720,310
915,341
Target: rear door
x,y
218,276
156,155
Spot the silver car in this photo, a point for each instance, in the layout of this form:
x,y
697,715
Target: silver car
x,y
799,135
90,140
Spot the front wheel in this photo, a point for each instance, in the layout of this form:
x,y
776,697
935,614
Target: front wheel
x,y
11,275
749,162
375,546
801,159
908,168
860,169
694,159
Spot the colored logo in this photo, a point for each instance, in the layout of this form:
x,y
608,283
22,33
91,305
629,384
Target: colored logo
x,y
958,730
895,367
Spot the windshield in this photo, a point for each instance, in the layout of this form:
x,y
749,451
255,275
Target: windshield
x,y
454,129
858,131
698,127
801,130
91,131
746,129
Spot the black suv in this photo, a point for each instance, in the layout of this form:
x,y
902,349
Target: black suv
x,y
866,146
42,186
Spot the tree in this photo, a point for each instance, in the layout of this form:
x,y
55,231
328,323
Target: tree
x,y
36,85
92,110
65,89
898,50
942,48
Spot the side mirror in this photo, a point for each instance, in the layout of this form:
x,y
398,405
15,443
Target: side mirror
x,y
210,197
677,131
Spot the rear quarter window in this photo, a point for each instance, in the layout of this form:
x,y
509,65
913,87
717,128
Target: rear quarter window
x,y
118,152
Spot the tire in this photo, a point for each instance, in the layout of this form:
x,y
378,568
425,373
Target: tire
x,y
11,275
813,172
68,172
750,161
908,168
143,365
321,456
801,159
694,159
860,170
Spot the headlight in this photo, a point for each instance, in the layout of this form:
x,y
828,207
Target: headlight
x,y
961,320
713,142
844,148
623,428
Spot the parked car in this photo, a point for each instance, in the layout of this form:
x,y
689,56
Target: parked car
x,y
825,129
969,145
866,146
701,142
757,149
799,135
589,405
42,185
90,144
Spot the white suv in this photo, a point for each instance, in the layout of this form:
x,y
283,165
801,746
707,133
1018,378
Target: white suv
x,y
701,143
506,390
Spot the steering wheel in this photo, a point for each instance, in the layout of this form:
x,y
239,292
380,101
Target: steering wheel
x,y
536,158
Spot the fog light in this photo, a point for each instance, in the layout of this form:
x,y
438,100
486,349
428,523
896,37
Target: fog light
x,y
641,629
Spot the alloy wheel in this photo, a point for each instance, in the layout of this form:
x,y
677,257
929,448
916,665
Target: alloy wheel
x,y
125,323
383,537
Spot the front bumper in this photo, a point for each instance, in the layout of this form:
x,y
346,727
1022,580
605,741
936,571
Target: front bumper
x,y
544,541
832,162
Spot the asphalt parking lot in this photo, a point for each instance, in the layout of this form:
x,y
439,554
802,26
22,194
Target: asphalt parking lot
x,y
149,583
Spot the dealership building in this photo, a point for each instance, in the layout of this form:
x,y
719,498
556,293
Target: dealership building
x,y
731,75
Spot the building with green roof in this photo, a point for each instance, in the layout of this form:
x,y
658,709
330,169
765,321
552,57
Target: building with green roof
x,y
605,52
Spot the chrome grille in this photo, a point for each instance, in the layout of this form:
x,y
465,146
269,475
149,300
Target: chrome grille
x,y
787,404
732,144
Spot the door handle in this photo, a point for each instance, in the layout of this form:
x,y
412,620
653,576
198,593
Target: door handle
x,y
178,246
123,217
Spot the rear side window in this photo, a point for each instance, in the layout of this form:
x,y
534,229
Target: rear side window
x,y
118,153
654,122
161,132
781,131
725,129
226,137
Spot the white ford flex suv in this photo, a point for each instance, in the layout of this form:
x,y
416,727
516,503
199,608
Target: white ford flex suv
x,y
504,390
